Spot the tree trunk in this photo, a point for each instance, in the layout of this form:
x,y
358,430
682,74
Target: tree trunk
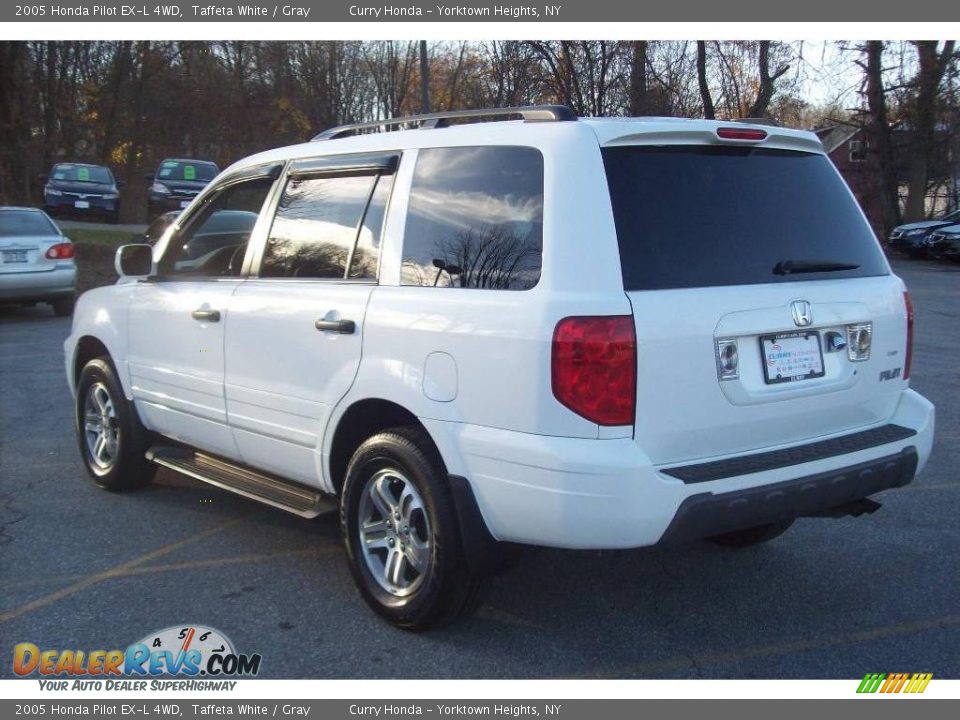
x,y
424,78
767,82
708,111
878,134
639,104
931,69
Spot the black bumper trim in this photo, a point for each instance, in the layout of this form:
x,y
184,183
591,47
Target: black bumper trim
x,y
708,514
774,459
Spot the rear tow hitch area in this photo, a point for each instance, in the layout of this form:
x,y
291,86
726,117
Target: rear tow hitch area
x,y
863,506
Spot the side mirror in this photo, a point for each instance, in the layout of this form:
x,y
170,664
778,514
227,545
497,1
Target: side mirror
x,y
133,261
121,184
44,177
149,175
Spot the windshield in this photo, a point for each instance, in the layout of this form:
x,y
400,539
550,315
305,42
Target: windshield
x,y
187,170
21,223
82,174
698,216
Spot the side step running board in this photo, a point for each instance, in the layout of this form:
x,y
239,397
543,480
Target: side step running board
x,y
290,496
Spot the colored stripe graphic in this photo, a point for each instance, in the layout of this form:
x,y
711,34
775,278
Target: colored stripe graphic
x,y
871,682
894,683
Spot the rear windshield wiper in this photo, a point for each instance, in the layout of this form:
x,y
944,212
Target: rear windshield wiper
x,y
793,267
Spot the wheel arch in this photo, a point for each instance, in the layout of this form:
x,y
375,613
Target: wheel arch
x,y
366,417
358,421
88,348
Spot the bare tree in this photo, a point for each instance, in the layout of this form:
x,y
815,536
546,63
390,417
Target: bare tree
x,y
705,97
932,66
767,81
879,135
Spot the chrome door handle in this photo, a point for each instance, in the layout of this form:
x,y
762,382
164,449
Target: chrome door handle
x,y
206,315
344,327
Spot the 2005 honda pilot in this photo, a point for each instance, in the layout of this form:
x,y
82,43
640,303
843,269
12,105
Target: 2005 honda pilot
x,y
536,329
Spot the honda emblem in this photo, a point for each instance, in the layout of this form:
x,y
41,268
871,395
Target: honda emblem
x,y
802,313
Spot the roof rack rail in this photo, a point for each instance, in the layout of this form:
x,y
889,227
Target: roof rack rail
x,y
530,113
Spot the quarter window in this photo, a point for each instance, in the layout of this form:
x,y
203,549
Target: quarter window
x,y
475,219
316,227
366,256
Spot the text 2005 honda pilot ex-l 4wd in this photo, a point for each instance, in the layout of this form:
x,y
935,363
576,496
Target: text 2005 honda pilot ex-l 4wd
x,y
535,329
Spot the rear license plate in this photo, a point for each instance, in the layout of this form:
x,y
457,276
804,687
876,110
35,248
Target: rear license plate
x,y
14,256
789,357
82,204
184,203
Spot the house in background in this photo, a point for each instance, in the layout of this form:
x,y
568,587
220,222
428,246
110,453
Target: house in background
x,y
846,144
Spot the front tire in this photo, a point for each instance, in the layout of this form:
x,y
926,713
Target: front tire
x,y
112,441
752,536
401,532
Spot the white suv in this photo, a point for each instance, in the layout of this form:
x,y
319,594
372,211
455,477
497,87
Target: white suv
x,y
535,329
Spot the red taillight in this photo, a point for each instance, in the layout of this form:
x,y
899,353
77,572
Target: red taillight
x,y
909,355
594,367
60,251
729,133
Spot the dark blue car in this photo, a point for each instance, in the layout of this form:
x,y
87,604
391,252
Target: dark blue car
x,y
82,190
176,182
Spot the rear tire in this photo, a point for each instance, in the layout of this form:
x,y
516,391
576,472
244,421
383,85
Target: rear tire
x,y
401,532
113,442
63,306
752,536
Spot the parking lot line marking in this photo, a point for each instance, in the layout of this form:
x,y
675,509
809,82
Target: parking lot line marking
x,y
233,560
780,649
116,571
188,565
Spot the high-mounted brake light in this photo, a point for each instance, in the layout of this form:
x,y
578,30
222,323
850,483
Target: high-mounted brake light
x,y
594,367
60,251
908,358
730,133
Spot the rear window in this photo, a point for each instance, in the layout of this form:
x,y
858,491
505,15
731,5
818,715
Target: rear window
x,y
701,216
22,223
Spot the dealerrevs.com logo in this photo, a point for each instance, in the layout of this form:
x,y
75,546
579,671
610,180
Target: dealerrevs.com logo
x,y
180,651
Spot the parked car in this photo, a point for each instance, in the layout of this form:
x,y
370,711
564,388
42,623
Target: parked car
x,y
176,182
542,330
912,238
944,243
36,260
82,190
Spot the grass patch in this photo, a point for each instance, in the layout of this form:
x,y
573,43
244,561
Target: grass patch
x,y
108,238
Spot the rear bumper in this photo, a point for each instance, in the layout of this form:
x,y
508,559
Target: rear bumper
x,y
580,493
41,285
709,514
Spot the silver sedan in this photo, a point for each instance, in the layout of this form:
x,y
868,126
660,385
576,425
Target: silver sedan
x,y
36,260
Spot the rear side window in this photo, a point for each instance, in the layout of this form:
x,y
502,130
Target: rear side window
x,y
316,228
691,216
475,219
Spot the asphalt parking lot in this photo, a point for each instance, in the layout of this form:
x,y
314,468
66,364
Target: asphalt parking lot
x,y
86,569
